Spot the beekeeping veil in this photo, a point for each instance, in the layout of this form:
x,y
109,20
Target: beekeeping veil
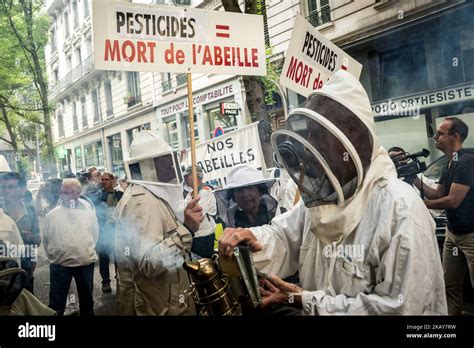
x,y
153,164
329,148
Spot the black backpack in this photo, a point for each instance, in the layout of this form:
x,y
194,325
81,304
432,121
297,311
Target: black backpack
x,y
12,281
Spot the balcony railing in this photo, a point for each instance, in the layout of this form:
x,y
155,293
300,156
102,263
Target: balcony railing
x,y
78,72
316,18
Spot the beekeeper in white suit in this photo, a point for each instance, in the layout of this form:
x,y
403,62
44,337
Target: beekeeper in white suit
x,y
362,240
151,242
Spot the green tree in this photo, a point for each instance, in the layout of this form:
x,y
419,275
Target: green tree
x,y
258,91
23,85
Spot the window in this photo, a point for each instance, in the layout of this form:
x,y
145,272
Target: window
x,y
131,133
319,12
185,115
108,98
115,143
216,119
166,82
54,47
78,56
86,8
60,126
78,157
84,112
74,116
171,130
181,79
405,63
68,63
133,88
95,105
75,14
93,154
66,24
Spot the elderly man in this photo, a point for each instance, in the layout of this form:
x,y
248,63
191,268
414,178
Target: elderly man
x,y
362,240
71,231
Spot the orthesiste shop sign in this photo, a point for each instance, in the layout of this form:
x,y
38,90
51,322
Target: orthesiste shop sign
x,y
312,59
137,37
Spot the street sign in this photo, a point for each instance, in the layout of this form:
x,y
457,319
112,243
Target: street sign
x,y
312,59
218,132
229,109
139,37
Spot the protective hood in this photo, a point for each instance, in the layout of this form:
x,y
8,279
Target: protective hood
x,y
331,119
152,161
153,164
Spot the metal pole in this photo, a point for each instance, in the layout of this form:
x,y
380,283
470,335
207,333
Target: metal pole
x,y
38,160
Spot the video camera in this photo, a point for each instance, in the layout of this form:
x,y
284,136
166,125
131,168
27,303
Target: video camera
x,y
408,165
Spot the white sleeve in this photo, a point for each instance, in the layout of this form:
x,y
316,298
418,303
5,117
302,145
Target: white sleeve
x,y
281,243
208,202
408,279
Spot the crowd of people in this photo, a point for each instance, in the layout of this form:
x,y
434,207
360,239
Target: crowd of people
x,y
341,235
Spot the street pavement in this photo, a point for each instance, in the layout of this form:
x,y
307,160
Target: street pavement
x,y
104,304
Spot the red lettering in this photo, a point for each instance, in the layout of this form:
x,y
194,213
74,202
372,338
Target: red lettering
x,y
292,68
227,61
126,57
180,56
141,50
112,52
217,55
255,57
151,47
246,58
207,56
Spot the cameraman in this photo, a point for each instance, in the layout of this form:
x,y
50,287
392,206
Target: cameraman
x,y
455,194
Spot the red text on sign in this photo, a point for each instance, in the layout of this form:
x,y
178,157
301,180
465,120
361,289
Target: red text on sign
x,y
129,51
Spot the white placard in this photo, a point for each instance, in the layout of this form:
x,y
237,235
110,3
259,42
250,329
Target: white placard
x,y
312,59
218,156
138,37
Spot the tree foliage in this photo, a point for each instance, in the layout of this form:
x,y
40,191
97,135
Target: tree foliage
x,y
23,85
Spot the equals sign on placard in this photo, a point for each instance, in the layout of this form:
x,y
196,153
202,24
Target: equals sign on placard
x,y
222,31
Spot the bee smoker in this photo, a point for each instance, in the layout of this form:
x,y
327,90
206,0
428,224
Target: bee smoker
x,y
211,289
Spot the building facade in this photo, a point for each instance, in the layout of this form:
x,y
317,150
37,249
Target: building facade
x,y
415,57
97,113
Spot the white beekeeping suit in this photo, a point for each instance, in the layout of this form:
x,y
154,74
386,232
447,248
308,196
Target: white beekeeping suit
x,y
363,246
151,242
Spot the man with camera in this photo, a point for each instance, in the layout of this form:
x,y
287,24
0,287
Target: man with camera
x,y
455,193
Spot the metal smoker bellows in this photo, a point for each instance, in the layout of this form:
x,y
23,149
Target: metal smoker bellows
x,y
210,289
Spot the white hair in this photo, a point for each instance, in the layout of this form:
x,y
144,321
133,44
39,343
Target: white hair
x,y
73,183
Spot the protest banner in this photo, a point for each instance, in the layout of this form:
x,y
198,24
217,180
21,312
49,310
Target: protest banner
x,y
140,37
218,156
312,59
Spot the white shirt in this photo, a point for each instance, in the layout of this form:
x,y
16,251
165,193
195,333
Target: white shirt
x,y
70,236
10,237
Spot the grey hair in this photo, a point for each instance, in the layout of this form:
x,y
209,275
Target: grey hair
x,y
74,183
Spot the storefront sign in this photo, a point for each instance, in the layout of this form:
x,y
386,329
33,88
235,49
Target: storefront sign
x,y
218,156
411,106
138,37
312,59
229,109
205,97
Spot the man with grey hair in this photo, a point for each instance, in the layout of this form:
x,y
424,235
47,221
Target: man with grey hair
x,y
70,235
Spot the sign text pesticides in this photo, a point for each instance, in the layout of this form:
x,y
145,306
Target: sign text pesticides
x,y
311,59
135,37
